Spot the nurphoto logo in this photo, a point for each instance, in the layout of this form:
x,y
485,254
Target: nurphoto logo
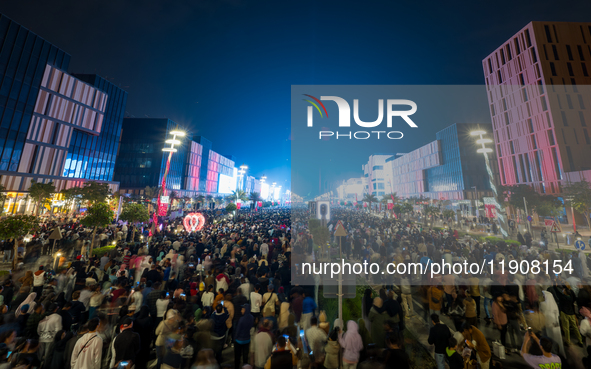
x,y
345,117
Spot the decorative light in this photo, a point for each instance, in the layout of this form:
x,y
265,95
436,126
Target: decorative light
x,y
194,222
58,254
484,150
484,141
169,149
178,133
173,141
477,133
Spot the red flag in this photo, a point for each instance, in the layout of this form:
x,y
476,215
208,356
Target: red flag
x,y
392,196
238,206
260,203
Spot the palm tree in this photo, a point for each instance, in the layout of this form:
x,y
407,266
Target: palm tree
x,y
209,199
254,197
238,195
150,193
218,200
369,198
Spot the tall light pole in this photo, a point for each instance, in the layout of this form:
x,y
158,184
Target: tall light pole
x,y
475,202
162,208
242,172
485,151
273,190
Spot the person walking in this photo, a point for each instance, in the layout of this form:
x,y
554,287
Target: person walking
x,y
439,335
352,344
88,351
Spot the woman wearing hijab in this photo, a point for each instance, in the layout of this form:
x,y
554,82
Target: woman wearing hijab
x,y
30,300
552,314
377,317
352,343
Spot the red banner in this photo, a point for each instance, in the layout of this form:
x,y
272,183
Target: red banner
x,y
390,206
260,204
238,206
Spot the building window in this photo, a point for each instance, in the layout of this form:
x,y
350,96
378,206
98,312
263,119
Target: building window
x,y
584,67
555,34
564,121
553,69
569,52
527,38
580,50
540,87
489,66
521,80
551,137
570,69
569,101
509,56
534,144
586,136
548,35
506,118
545,51
571,162
378,167
576,138
517,50
502,57
544,104
555,52
524,95
499,76
556,164
582,118
530,125
534,57
581,103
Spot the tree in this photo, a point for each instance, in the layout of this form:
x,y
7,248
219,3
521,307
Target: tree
x,y
406,208
432,210
320,234
369,198
3,196
516,194
231,207
255,197
41,192
15,227
151,193
238,195
448,213
548,206
578,196
97,215
134,213
94,192
70,196
218,200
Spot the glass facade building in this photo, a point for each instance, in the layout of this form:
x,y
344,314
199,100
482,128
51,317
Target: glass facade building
x,y
23,58
45,112
93,156
194,169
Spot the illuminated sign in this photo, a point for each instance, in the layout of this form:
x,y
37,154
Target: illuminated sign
x,y
264,190
194,222
226,184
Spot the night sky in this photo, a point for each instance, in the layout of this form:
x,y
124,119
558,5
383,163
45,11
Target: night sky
x,y
225,68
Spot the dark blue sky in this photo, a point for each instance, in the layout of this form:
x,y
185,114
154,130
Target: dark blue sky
x,y
226,67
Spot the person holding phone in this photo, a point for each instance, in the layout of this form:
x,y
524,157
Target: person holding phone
x,y
547,359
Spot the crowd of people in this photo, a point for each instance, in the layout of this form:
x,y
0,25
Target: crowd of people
x,y
224,297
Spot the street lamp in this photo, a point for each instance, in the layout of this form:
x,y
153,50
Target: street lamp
x,y
485,151
162,208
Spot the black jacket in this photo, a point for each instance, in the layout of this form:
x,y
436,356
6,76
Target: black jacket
x,y
439,336
127,346
281,359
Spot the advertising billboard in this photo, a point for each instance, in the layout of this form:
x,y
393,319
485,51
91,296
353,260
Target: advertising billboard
x,y
226,184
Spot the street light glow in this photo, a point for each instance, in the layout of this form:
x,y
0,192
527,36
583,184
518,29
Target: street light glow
x,y
169,149
484,141
178,133
173,141
484,150
477,133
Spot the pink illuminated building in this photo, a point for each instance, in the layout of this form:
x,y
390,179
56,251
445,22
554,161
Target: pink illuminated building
x,y
540,104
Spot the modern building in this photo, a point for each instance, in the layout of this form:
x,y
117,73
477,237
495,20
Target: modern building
x,y
352,189
373,171
42,108
93,156
195,169
540,104
447,169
